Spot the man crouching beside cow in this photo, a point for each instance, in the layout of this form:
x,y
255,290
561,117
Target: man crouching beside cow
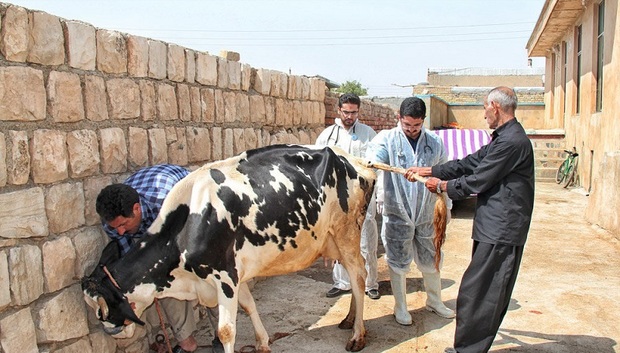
x,y
127,210
265,212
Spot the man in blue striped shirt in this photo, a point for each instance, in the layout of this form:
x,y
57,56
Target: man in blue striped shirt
x,y
127,210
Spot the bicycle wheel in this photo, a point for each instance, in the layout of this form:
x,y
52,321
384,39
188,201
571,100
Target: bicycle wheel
x,y
561,173
571,174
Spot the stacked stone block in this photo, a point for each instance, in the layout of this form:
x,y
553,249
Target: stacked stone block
x,y
83,107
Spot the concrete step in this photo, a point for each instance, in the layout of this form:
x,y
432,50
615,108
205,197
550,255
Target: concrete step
x,y
548,143
545,180
550,153
545,172
552,163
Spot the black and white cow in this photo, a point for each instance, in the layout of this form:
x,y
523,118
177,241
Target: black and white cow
x,y
266,212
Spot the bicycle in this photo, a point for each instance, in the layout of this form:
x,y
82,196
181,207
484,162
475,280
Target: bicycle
x,y
567,172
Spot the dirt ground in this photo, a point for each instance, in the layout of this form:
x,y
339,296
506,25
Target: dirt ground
x,y
566,300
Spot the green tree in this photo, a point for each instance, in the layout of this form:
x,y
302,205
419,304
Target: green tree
x,y
352,87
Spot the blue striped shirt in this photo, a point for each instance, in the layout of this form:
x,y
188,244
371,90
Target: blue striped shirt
x,y
152,184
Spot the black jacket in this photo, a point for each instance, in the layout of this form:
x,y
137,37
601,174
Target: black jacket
x,y
502,175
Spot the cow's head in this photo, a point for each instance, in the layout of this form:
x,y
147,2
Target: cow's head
x,y
110,304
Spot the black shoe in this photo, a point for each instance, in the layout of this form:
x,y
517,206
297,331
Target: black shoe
x,y
334,292
373,294
217,345
178,349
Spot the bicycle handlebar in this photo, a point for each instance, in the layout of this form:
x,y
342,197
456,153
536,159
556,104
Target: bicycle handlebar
x,y
574,154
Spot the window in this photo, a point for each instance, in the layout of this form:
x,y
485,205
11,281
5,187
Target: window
x,y
564,72
600,41
578,72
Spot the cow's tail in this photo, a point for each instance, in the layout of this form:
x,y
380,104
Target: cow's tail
x,y
360,165
441,209
439,223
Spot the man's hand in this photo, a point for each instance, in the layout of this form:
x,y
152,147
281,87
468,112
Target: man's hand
x,y
421,171
410,172
380,207
432,184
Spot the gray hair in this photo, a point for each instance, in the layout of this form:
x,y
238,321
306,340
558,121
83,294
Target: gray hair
x,y
505,97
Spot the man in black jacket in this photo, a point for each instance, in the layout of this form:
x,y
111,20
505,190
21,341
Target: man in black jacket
x,y
502,175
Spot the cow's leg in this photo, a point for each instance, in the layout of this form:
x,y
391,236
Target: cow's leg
x,y
246,300
208,297
353,262
227,298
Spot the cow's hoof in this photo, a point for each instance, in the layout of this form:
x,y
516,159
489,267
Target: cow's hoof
x,y
217,345
346,324
356,345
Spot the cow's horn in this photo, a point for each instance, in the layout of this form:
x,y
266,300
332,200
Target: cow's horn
x,y
103,306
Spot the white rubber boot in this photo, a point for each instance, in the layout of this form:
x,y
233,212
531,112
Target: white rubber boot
x,y
432,285
399,290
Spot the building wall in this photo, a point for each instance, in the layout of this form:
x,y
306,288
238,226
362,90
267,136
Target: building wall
x,y
83,107
463,105
481,77
438,112
594,134
472,116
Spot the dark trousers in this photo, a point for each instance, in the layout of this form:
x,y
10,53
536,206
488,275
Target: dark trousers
x,y
484,295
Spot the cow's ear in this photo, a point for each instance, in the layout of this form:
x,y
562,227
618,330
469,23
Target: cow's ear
x,y
130,314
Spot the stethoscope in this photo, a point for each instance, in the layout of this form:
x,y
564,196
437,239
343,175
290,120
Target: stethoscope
x,y
401,155
353,135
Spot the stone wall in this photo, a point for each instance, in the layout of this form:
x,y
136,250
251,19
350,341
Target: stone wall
x,y
83,107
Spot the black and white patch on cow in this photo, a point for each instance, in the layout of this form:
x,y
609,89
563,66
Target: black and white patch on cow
x,y
266,212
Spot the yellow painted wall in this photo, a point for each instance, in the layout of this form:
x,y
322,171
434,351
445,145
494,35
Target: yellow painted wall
x,y
472,116
596,135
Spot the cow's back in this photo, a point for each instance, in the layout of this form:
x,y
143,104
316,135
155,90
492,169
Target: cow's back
x,y
270,211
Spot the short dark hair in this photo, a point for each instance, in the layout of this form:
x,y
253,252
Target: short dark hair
x,y
116,200
350,98
413,107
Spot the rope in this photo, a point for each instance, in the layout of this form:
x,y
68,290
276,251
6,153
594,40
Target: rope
x,y
105,269
157,306
163,325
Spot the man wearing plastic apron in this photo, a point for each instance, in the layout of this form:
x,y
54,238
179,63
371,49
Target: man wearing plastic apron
x,y
408,208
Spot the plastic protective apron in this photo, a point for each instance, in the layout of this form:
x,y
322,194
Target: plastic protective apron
x,y
408,207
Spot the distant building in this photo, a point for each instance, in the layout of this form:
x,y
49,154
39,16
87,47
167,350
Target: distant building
x,y
454,96
486,77
580,40
329,83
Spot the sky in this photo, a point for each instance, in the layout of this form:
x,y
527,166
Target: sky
x,y
386,45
